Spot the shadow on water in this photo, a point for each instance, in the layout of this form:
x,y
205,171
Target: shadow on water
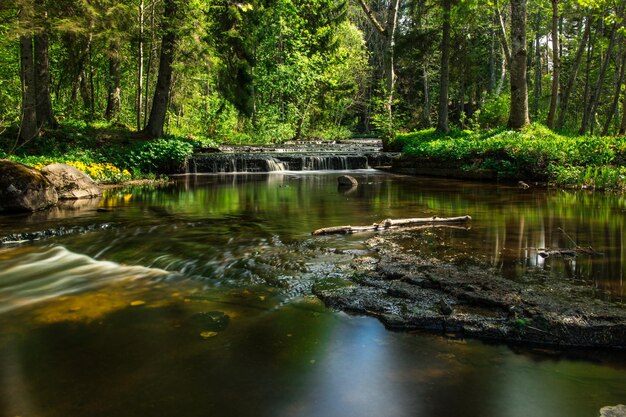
x,y
196,301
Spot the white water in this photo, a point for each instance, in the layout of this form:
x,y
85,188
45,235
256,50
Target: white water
x,y
40,276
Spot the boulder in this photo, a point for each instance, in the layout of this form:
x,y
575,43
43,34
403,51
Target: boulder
x,y
613,411
347,181
71,183
24,189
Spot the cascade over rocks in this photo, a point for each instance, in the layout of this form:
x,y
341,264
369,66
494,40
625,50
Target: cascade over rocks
x,y
71,183
24,189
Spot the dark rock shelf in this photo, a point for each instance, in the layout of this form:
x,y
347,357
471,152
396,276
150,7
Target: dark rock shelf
x,y
409,291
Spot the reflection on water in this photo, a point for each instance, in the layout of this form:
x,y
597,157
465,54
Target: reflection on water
x,y
195,301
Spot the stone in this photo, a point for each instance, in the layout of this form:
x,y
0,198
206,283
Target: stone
x,y
24,189
347,181
71,183
613,411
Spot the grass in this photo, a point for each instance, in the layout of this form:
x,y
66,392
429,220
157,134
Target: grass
x,y
535,153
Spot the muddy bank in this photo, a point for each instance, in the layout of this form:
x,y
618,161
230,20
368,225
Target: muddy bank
x,y
411,290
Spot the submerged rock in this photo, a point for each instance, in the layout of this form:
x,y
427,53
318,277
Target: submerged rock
x,y
71,183
347,181
24,189
613,411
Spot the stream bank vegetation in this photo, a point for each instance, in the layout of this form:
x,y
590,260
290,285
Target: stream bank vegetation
x,y
130,88
534,153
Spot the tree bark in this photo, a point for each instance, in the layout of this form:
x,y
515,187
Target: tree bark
x,y
618,87
114,86
569,86
444,85
392,22
592,105
518,117
388,32
156,122
491,86
28,124
537,86
426,111
45,115
139,103
556,65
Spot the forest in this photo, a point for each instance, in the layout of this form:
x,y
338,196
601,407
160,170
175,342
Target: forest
x,y
77,74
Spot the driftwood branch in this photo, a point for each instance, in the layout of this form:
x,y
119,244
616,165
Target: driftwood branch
x,y
392,223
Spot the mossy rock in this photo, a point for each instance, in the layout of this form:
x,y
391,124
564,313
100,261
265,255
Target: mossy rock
x,y
24,189
71,183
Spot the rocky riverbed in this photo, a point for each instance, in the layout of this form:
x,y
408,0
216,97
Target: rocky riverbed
x,y
408,288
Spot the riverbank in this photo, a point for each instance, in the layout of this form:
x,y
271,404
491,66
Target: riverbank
x,y
534,155
406,287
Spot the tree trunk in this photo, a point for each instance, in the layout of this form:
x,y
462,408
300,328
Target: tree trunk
x,y
444,85
518,117
156,122
618,87
537,86
151,58
622,128
426,111
114,85
392,22
592,105
503,65
388,32
491,86
139,103
563,108
556,65
45,115
28,124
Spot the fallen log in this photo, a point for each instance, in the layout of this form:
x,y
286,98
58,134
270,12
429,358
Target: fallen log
x,y
392,223
544,253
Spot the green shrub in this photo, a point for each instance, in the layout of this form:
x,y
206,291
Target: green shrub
x,y
159,156
495,111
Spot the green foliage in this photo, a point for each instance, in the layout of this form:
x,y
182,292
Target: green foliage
x,y
495,112
107,153
161,156
534,153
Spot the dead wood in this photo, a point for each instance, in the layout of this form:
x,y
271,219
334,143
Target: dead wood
x,y
392,223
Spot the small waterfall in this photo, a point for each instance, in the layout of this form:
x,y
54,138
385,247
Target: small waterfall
x,y
266,162
274,165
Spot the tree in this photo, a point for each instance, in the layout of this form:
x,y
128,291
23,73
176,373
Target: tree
x,y
28,124
45,115
556,66
518,116
569,86
388,31
156,122
444,86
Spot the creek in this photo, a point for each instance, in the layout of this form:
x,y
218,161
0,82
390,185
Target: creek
x,y
194,299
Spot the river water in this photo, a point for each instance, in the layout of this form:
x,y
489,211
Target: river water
x,y
194,299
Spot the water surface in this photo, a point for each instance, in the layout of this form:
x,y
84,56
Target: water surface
x,y
193,299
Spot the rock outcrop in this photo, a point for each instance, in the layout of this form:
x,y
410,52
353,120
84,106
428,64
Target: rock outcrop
x,y
71,183
24,189
411,290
